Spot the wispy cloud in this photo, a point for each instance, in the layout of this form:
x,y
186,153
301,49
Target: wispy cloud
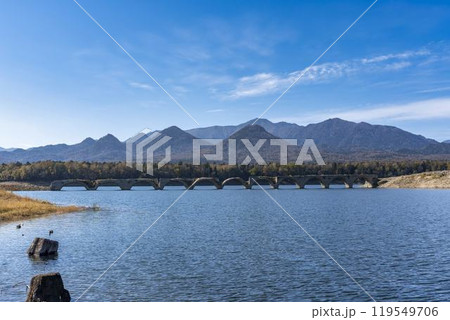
x,y
141,85
267,83
193,53
259,84
397,65
215,110
418,110
401,56
180,89
441,89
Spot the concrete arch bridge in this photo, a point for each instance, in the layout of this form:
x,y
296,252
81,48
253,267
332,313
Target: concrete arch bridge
x,y
325,181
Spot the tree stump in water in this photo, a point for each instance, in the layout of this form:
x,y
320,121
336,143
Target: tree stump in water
x,y
47,288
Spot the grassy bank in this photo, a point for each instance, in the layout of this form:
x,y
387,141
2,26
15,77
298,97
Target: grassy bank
x,y
16,208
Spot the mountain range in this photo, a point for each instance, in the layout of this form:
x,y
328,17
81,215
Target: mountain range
x,y
332,135
336,139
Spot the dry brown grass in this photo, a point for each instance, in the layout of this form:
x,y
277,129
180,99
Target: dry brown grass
x,y
14,207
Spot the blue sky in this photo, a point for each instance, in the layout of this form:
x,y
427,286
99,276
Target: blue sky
x,y
63,79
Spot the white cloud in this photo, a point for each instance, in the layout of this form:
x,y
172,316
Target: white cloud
x,y
403,55
215,110
141,85
418,110
267,83
259,84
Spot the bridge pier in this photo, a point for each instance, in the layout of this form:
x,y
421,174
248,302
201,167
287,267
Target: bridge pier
x,y
56,186
301,182
349,181
325,185
372,183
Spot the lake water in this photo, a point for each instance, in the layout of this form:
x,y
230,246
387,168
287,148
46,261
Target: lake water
x,y
237,245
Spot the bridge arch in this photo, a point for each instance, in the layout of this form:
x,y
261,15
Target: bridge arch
x,y
87,184
321,180
122,184
289,181
347,181
145,183
271,181
163,182
239,180
208,180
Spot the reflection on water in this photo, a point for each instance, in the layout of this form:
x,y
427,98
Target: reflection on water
x,y
42,259
237,245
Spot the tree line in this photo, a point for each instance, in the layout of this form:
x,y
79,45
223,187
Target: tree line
x,y
46,171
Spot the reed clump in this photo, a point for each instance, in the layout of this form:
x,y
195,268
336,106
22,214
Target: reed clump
x,y
14,207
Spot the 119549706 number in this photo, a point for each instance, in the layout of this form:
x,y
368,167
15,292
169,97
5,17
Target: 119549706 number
x,y
382,311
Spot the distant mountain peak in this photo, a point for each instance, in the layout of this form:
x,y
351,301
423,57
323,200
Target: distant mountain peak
x,y
337,120
174,131
108,137
256,120
88,140
252,132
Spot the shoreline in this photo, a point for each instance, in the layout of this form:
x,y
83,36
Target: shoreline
x,y
24,186
439,180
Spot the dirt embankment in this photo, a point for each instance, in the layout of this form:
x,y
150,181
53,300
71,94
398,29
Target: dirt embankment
x,y
23,186
426,180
